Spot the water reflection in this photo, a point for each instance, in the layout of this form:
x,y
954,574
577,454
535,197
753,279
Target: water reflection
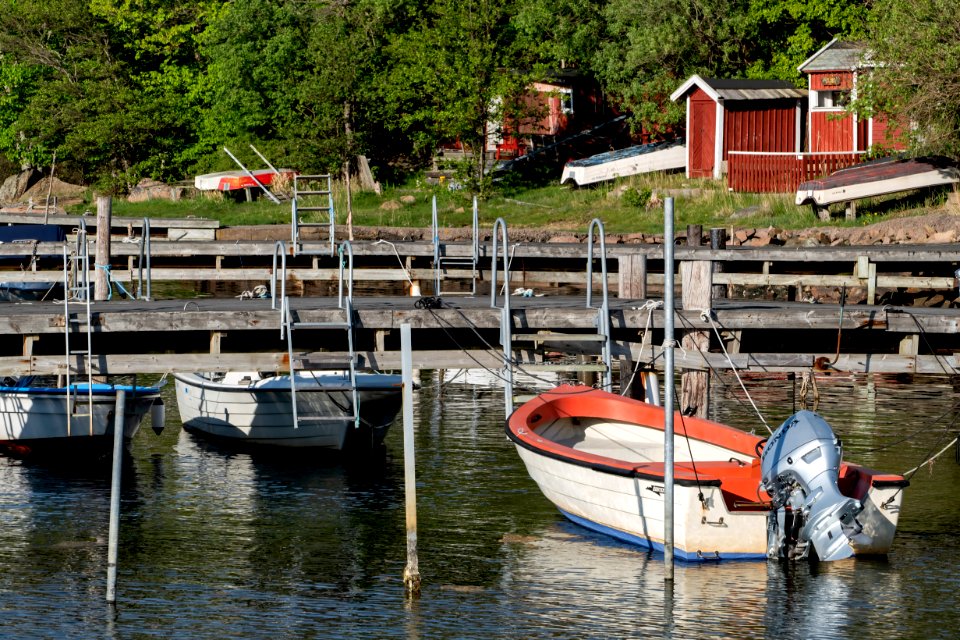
x,y
225,544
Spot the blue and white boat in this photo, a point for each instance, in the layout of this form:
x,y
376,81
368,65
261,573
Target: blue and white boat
x,y
37,416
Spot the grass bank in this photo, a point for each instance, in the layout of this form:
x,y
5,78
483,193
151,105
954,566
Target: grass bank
x,y
625,206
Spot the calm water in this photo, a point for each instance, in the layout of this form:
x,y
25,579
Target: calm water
x,y
218,544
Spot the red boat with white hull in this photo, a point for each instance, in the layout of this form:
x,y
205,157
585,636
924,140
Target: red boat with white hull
x,y
599,458
233,180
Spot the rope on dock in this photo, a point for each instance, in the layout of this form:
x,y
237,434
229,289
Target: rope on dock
x,y
406,274
707,315
650,306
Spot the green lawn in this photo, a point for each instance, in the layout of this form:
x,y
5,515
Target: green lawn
x,y
625,206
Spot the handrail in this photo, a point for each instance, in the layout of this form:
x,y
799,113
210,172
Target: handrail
x,y
595,223
144,255
439,260
603,319
476,232
435,236
506,266
279,249
506,320
349,247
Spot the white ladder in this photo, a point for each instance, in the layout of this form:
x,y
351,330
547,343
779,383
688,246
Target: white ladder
x,y
316,186
76,287
441,262
290,323
509,339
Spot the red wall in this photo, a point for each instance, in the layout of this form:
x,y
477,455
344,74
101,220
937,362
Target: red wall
x,y
887,134
831,131
761,125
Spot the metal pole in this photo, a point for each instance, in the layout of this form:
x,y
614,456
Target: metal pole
x,y
411,573
252,177
668,310
115,496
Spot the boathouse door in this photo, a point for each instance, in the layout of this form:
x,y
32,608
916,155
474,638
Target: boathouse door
x,y
702,136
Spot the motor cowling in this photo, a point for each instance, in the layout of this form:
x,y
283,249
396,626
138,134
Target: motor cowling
x,y
800,466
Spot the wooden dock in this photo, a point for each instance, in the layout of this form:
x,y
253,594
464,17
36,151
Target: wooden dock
x,y
875,329
137,336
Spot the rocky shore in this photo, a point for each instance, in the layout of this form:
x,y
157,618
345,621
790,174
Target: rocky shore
x,y
941,227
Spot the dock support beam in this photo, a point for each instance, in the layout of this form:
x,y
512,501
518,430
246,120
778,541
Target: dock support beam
x,y
114,535
411,573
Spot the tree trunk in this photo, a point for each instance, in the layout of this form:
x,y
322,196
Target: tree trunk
x,y
346,167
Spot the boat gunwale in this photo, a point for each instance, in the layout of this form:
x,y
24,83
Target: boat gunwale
x,y
363,384
696,473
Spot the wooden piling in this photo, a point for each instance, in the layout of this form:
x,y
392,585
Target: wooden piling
x,y
632,282
718,242
101,276
696,284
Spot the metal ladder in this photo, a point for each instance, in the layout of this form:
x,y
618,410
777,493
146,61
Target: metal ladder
x,y
76,287
290,323
510,340
305,187
443,262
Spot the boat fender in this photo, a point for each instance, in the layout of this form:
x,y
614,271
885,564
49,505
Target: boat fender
x,y
157,416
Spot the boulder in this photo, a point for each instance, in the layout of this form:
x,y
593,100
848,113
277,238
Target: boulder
x,y
148,189
16,185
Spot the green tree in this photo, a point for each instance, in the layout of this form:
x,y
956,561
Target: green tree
x,y
915,43
789,31
110,94
452,76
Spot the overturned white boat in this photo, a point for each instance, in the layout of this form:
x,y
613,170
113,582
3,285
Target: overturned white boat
x,y
261,409
644,158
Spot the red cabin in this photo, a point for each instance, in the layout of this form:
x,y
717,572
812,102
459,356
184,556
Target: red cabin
x,y
834,72
750,116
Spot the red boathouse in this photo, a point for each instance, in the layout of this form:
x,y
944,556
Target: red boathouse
x,y
740,115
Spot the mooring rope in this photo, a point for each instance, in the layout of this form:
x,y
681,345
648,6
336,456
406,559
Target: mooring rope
x,y
707,315
650,306
929,460
406,274
110,282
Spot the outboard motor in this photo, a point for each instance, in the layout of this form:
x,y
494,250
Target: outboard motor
x,y
800,465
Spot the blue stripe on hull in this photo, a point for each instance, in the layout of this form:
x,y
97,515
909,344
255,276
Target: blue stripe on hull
x,y
658,546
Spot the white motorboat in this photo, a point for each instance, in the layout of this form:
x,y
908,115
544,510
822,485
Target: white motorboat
x,y
599,458
258,409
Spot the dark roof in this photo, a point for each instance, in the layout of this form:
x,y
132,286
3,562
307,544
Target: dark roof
x,y
837,55
741,89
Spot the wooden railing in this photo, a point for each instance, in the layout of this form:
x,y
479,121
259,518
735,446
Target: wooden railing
x,y
764,172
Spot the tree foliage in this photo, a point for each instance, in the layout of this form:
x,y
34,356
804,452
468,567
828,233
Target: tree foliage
x,y
915,44
124,89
